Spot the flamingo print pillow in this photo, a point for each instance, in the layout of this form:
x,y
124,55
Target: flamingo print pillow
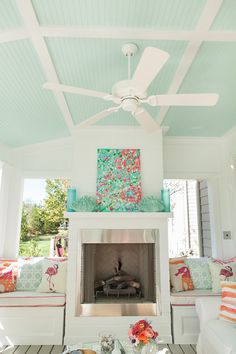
x,y
180,278
53,277
221,271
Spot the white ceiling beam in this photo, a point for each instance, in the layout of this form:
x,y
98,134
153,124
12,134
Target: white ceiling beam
x,y
138,33
208,15
120,33
13,35
32,26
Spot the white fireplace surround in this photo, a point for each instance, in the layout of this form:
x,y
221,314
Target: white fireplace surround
x,y
79,328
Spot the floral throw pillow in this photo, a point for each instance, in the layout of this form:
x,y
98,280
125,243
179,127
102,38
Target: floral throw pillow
x,y
180,277
200,272
221,271
53,277
12,263
29,274
7,280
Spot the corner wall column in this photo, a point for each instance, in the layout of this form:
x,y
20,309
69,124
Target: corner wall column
x,y
11,191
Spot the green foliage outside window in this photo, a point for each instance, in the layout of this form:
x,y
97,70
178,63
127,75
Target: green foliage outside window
x,y
38,222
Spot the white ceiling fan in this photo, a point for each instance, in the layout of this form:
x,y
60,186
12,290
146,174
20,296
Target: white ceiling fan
x,y
131,95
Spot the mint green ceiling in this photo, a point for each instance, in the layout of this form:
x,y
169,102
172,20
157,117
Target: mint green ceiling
x,y
226,19
213,70
9,15
29,114
159,14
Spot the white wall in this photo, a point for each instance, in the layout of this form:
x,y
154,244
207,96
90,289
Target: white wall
x,y
10,210
228,188
5,153
205,158
51,159
182,158
73,158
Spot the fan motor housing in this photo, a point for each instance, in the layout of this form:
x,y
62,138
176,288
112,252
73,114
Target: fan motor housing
x,y
126,89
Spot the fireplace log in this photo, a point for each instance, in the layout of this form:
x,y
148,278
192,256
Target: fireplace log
x,y
119,278
99,284
129,291
134,284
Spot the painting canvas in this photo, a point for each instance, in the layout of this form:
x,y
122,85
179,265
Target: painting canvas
x,y
118,179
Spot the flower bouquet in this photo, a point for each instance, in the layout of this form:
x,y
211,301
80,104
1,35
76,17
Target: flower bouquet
x,y
142,335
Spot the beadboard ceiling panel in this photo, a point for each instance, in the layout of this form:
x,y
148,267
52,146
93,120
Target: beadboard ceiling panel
x,y
9,15
98,65
213,70
28,114
78,42
160,14
226,19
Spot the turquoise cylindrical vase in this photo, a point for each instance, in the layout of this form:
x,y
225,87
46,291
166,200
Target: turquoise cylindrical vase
x,y
71,198
165,198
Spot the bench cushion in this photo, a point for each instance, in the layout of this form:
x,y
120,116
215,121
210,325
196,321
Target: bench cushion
x,y
31,299
188,298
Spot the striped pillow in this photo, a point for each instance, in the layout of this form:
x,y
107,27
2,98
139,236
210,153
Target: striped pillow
x,y
228,303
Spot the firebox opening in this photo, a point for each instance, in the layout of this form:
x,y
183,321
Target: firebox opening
x,y
118,273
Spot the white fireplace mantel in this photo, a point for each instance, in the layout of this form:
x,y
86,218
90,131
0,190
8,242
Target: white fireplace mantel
x,y
79,327
134,220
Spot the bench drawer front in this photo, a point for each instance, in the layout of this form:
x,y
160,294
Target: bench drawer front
x,y
31,325
185,324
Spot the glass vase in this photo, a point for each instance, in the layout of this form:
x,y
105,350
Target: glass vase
x,y
107,342
165,198
150,348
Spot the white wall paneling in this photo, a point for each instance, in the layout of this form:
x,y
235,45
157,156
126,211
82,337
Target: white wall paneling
x,y
10,210
201,158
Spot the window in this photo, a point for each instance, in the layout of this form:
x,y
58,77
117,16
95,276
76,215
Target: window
x,y
43,227
189,229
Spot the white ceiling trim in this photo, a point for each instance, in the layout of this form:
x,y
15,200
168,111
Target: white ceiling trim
x,y
27,12
13,35
120,33
136,33
208,15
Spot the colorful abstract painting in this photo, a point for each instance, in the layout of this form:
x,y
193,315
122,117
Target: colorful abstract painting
x,y
118,179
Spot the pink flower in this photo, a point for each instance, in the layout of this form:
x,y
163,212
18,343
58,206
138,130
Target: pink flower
x,y
149,332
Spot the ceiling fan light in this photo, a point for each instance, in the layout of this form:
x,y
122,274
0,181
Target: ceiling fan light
x,y
129,104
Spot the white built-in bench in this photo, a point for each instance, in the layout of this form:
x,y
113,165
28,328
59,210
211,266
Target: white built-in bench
x,y
31,318
185,322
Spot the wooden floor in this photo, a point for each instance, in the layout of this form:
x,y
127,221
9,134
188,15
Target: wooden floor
x,y
58,349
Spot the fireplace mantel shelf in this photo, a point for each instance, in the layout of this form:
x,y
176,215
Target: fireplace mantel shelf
x,y
114,215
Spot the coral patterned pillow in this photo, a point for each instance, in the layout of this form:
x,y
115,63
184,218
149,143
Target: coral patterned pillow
x,y
228,304
221,271
7,280
53,277
13,263
180,277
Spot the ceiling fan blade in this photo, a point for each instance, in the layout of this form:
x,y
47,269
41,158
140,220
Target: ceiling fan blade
x,y
145,120
184,99
94,119
151,62
71,89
